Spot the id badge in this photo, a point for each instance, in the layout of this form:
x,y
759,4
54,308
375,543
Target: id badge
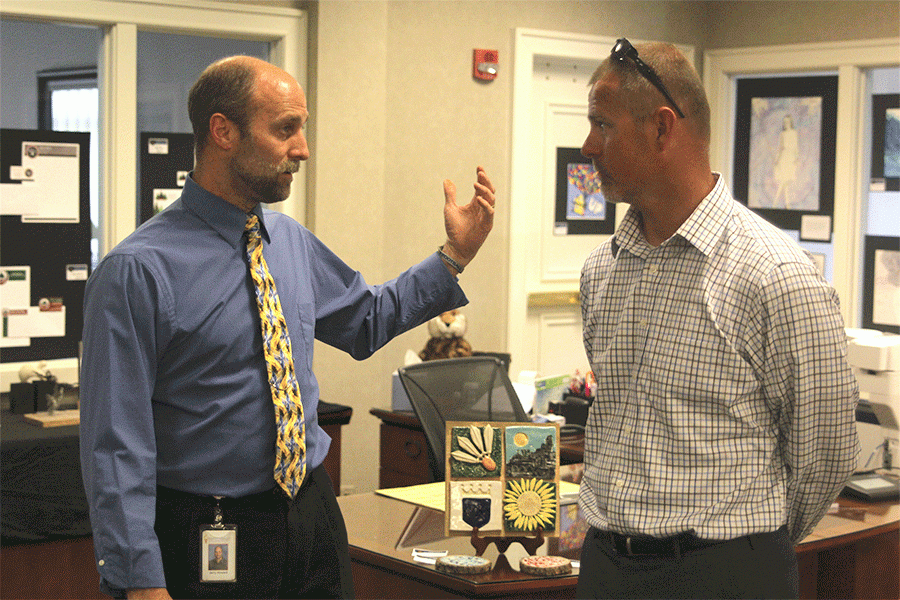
x,y
218,550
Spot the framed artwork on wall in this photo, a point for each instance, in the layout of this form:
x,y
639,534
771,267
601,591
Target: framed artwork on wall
x,y
785,135
881,283
886,142
580,206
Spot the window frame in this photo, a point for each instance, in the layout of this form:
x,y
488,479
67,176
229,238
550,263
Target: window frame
x,y
54,79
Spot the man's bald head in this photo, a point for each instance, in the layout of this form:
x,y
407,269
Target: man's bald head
x,y
226,87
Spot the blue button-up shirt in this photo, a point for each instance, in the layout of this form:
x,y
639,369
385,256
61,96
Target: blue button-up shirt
x,y
173,384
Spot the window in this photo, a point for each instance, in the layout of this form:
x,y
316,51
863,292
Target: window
x,y
69,100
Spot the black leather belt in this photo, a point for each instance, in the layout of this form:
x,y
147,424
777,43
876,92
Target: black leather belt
x,y
253,500
641,545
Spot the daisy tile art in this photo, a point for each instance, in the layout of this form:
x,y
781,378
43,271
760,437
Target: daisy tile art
x,y
502,479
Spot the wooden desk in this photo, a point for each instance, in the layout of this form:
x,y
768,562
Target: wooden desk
x,y
851,554
383,532
403,456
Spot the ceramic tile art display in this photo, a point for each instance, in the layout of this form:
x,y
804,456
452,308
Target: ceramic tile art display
x,y
502,478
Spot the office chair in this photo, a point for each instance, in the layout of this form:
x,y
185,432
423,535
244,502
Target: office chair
x,y
458,389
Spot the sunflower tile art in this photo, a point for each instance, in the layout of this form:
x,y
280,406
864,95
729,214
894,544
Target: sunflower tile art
x,y
529,504
502,479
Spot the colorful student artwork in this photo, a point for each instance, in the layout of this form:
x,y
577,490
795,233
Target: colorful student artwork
x,y
502,479
584,199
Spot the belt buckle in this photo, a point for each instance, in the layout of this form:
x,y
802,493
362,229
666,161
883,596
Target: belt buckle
x,y
630,552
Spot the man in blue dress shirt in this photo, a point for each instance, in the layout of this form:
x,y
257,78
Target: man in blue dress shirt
x,y
177,419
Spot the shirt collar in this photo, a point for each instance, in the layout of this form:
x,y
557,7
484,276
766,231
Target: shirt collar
x,y
702,229
225,218
705,226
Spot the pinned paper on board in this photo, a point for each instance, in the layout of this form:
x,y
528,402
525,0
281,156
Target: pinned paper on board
x,y
34,321
163,198
48,184
15,291
20,320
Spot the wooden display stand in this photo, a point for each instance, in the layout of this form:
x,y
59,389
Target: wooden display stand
x,y
531,544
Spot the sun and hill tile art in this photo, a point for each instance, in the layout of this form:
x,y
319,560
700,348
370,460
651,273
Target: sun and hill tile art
x,y
502,478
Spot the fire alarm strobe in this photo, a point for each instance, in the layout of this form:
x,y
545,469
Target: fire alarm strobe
x,y
484,64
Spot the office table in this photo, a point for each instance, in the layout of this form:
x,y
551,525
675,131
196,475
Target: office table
x,y
852,553
42,493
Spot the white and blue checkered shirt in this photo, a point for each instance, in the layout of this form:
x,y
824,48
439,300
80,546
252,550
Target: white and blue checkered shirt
x,y
725,405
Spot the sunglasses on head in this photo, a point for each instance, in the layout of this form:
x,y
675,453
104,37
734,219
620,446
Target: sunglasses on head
x,y
623,49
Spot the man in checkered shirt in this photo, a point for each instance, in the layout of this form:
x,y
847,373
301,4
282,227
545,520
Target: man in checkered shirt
x,y
724,421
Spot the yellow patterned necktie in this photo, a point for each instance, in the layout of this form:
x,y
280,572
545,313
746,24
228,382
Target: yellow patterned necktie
x,y
290,442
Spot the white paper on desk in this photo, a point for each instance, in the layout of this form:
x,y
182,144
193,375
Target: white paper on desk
x,y
15,290
54,193
32,322
526,393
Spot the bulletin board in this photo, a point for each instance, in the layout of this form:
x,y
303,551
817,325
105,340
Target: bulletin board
x,y
166,160
45,246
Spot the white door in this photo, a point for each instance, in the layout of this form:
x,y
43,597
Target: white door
x,y
550,90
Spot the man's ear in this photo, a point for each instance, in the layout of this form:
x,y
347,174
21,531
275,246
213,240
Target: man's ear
x,y
223,132
663,120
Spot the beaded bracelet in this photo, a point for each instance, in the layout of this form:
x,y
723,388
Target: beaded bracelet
x,y
448,260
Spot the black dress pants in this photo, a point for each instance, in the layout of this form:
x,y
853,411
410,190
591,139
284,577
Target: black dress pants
x,y
762,565
285,548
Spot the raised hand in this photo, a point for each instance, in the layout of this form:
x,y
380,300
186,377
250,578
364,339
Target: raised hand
x,y
468,226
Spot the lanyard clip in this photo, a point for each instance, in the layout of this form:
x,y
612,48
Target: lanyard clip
x,y
218,521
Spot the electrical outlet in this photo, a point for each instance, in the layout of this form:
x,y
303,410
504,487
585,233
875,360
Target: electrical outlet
x,y
347,489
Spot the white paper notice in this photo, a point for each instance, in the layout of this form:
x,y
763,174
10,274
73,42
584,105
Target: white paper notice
x,y
13,200
54,193
163,198
158,146
34,322
15,291
815,228
77,272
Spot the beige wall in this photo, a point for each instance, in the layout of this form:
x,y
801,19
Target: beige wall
x,y
736,24
395,111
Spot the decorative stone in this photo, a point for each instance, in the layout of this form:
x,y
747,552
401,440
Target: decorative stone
x,y
463,565
545,565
